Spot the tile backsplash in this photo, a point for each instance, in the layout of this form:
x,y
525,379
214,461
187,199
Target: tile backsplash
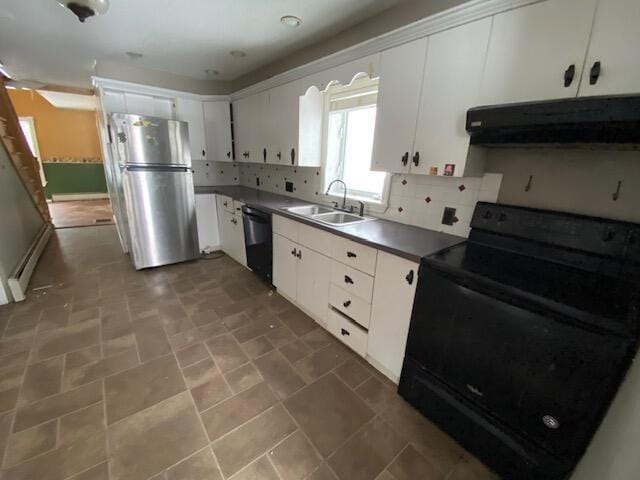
x,y
414,199
215,173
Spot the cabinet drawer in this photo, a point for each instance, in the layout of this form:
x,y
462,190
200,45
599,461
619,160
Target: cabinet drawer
x,y
347,331
315,239
354,254
237,207
352,306
352,281
285,227
226,202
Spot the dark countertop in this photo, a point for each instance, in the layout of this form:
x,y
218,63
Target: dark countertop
x,y
406,241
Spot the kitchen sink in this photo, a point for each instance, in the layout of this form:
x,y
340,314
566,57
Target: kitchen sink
x,y
327,215
310,210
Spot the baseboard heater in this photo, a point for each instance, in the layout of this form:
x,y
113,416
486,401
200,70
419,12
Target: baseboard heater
x,y
19,279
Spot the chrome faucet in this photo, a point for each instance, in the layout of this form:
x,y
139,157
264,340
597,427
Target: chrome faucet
x,y
344,197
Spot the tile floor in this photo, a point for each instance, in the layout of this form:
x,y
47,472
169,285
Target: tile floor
x,y
81,213
191,372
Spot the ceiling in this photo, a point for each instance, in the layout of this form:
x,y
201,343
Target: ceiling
x,y
40,40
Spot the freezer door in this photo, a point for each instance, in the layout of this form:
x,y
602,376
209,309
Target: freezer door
x,y
144,140
161,214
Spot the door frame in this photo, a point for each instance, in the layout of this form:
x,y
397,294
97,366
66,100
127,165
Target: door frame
x,y
34,137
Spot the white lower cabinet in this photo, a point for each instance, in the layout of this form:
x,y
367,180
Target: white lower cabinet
x,y
314,275
393,292
207,220
232,233
354,336
285,266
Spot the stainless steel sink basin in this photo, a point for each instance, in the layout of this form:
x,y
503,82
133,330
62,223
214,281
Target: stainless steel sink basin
x,y
339,218
309,210
327,215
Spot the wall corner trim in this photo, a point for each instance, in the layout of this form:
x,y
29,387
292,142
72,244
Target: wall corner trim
x,y
453,17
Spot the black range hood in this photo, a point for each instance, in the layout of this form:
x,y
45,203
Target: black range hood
x,y
574,121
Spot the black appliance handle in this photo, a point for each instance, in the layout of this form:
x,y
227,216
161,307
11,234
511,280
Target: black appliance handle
x,y
409,277
156,168
348,279
569,74
594,73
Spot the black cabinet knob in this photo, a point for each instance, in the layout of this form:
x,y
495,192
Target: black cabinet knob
x,y
594,73
569,73
293,156
416,158
346,303
348,279
264,155
299,254
293,252
405,158
228,154
351,255
344,332
203,154
409,277
279,155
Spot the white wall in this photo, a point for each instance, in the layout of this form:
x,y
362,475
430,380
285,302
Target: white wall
x,y
19,221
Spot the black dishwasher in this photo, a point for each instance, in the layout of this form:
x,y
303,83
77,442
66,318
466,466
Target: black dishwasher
x,y
257,239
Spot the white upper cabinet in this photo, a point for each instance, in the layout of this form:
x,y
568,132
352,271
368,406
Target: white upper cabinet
x,y
615,42
532,47
284,111
242,122
148,105
309,152
217,129
190,111
401,72
451,85
113,102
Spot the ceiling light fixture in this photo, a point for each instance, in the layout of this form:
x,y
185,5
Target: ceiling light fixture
x,y
237,53
84,9
291,21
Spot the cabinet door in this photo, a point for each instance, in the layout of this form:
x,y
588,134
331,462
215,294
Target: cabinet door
x,y
311,108
259,138
148,105
284,104
226,230
207,219
314,276
113,102
285,264
532,47
217,131
238,249
401,71
242,122
190,111
393,292
615,42
451,86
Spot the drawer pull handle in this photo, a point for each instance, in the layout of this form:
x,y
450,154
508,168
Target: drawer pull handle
x,y
344,332
225,204
293,252
351,255
299,255
409,277
347,279
346,304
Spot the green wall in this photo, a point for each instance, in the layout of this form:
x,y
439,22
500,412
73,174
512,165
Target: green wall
x,y
74,178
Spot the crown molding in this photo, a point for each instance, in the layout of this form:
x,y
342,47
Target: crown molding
x,y
453,17
142,89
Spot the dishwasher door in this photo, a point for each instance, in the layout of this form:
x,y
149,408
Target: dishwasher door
x,y
258,241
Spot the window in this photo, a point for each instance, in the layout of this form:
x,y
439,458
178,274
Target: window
x,y
350,125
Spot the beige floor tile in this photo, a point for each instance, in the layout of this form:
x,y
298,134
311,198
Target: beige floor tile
x,y
82,357
295,350
10,377
75,377
376,394
99,472
62,340
257,347
366,454
256,328
118,345
385,475
226,352
8,399
352,373
151,440
200,372
243,377
57,405
328,412
192,354
201,466
322,361
260,469
279,374
6,419
224,417
252,439
210,393
151,339
323,472
295,458
279,337
299,322
31,442
317,339
82,424
236,320
135,389
410,465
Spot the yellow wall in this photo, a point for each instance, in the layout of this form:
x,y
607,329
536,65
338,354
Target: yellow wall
x,y
64,135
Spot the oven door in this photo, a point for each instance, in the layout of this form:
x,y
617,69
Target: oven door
x,y
544,377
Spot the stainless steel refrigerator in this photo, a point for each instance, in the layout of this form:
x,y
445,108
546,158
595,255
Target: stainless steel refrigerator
x,y
151,187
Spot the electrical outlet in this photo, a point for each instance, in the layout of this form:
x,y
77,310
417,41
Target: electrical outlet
x,y
449,216
288,186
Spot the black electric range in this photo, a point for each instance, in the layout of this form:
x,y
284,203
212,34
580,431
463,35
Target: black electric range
x,y
521,335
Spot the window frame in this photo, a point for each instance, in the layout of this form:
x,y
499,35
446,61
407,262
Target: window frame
x,y
371,204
